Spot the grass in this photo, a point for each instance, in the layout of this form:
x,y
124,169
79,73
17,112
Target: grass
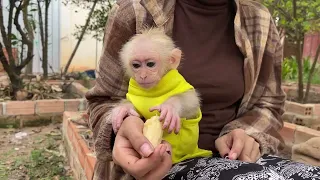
x,y
38,157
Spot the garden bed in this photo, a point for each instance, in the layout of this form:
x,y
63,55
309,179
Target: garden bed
x,y
80,155
40,112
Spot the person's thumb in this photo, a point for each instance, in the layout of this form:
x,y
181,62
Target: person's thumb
x,y
132,130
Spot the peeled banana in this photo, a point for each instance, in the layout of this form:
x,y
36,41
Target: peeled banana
x,y
152,130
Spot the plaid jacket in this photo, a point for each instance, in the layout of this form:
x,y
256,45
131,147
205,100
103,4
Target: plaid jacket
x,y
257,37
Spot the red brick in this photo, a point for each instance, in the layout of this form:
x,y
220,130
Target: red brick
x,y
304,120
71,105
66,116
20,108
75,131
81,157
287,132
88,169
91,161
317,110
301,109
70,134
49,106
74,140
84,148
303,134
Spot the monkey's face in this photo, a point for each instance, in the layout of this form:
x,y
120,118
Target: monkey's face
x,y
146,68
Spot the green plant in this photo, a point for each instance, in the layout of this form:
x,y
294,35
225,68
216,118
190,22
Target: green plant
x,y
290,70
296,18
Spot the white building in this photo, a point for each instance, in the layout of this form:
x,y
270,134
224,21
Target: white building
x,y
62,22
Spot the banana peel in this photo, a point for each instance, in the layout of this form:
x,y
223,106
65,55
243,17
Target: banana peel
x,y
153,131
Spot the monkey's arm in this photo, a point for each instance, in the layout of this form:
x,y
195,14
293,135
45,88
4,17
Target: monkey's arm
x,y
120,111
186,104
183,105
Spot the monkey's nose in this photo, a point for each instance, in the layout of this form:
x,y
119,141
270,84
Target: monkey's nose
x,y
143,77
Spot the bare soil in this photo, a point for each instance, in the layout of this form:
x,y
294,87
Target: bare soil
x,y
37,154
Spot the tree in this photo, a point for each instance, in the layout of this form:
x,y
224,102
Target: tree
x,y
10,65
99,17
44,35
28,25
80,38
296,17
95,22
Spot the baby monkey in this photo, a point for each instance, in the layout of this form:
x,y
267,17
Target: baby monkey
x,y
147,58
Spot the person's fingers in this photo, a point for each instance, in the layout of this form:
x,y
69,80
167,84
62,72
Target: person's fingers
x,y
247,150
178,125
222,145
237,145
160,172
168,146
139,168
132,130
255,154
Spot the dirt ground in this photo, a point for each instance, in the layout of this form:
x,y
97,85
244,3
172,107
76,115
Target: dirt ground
x,y
33,153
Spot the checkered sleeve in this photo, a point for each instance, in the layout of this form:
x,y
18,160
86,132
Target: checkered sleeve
x,y
262,118
111,84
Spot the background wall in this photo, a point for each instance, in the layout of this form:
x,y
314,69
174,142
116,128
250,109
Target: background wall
x,y
89,50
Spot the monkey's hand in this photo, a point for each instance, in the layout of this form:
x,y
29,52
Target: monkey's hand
x,y
170,115
119,113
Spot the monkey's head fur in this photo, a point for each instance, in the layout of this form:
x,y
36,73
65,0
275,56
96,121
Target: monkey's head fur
x,y
148,56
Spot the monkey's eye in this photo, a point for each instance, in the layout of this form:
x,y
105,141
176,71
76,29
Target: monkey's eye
x,y
136,65
151,64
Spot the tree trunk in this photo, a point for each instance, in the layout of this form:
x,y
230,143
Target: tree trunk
x,y
80,38
300,73
313,67
13,73
45,45
29,31
12,69
16,83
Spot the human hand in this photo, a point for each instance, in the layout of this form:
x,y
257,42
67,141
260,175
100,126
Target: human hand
x,y
170,115
119,113
160,171
238,145
130,145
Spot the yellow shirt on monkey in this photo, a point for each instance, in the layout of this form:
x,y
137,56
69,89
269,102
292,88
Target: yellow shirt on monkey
x,y
185,143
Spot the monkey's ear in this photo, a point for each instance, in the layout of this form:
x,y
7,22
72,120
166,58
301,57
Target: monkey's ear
x,y
175,58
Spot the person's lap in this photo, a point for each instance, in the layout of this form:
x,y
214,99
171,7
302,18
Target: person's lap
x,y
267,167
